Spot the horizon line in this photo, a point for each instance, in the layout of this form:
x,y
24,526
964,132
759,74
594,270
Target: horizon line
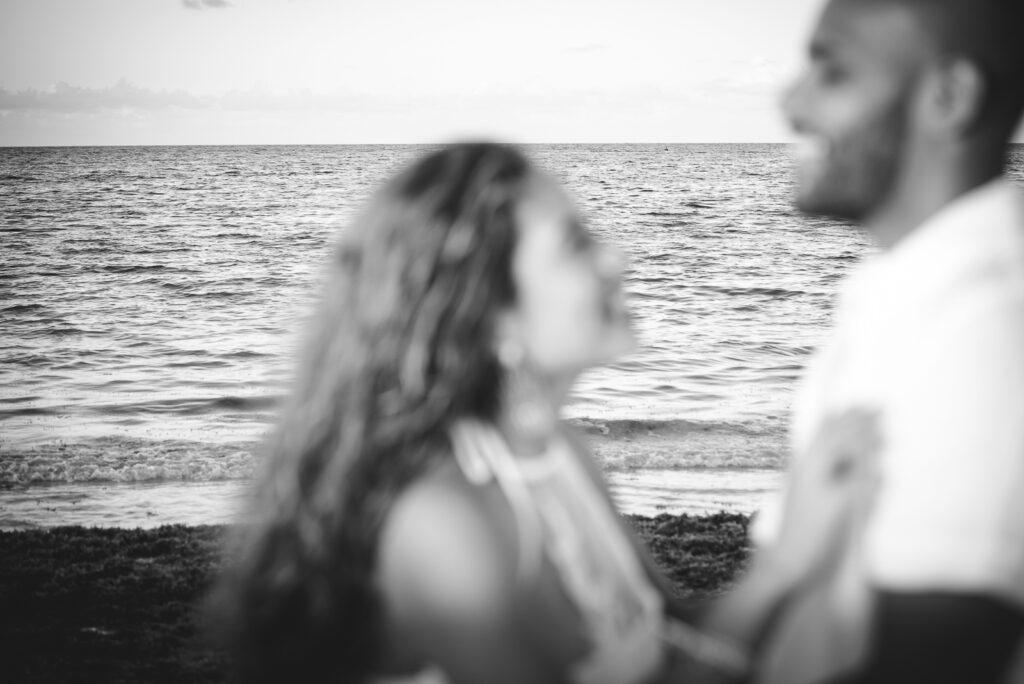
x,y
411,144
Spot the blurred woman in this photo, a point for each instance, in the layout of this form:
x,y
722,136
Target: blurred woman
x,y
424,508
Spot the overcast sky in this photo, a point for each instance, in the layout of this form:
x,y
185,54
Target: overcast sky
x,y
386,71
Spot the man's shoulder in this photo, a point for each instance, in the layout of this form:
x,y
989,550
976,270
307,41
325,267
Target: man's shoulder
x,y
986,300
977,281
979,325
972,251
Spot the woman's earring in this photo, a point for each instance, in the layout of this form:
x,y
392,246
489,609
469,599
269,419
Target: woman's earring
x,y
510,355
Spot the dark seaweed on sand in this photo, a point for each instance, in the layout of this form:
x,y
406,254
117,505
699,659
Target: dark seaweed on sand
x,y
699,555
113,605
106,604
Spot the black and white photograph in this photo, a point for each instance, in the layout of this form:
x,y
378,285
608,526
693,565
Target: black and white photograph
x,y
466,342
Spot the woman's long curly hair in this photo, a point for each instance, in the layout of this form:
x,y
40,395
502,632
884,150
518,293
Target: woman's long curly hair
x,y
400,346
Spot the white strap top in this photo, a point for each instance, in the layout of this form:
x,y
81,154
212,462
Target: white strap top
x,y
559,512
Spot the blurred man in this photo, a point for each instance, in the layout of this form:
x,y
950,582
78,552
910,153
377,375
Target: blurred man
x,y
905,111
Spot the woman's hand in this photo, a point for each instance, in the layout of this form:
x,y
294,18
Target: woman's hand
x,y
830,491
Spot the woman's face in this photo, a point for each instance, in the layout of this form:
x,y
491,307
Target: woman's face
x,y
569,313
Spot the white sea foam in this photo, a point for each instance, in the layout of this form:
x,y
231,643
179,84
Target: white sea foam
x,y
151,504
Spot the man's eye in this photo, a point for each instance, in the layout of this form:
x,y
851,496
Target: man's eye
x,y
581,241
831,74
578,238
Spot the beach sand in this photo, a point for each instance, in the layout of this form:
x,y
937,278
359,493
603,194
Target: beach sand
x,y
116,605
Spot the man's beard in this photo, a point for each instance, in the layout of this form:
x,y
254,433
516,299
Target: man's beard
x,y
860,168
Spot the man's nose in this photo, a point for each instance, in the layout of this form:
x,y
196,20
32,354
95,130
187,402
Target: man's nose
x,y
612,261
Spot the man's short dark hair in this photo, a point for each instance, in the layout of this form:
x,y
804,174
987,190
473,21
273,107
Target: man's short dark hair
x,y
989,33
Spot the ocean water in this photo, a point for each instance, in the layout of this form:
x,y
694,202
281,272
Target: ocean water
x,y
151,299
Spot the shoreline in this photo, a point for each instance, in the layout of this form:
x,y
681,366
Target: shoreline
x,y
83,604
654,466
150,504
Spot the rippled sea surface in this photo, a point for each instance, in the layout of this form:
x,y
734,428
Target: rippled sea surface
x,y
151,298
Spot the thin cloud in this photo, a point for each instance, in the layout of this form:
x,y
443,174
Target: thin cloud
x,y
122,95
126,96
203,4
756,76
588,48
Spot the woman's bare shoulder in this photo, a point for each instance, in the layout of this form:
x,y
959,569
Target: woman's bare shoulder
x,y
441,550
451,595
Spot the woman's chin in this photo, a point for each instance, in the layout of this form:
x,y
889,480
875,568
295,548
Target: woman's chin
x,y
620,341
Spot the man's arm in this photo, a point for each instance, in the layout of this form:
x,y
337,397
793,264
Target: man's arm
x,y
827,497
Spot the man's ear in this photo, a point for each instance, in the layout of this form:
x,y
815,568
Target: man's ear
x,y
955,96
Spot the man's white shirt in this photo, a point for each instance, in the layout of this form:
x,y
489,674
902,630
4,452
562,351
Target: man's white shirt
x,y
931,335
